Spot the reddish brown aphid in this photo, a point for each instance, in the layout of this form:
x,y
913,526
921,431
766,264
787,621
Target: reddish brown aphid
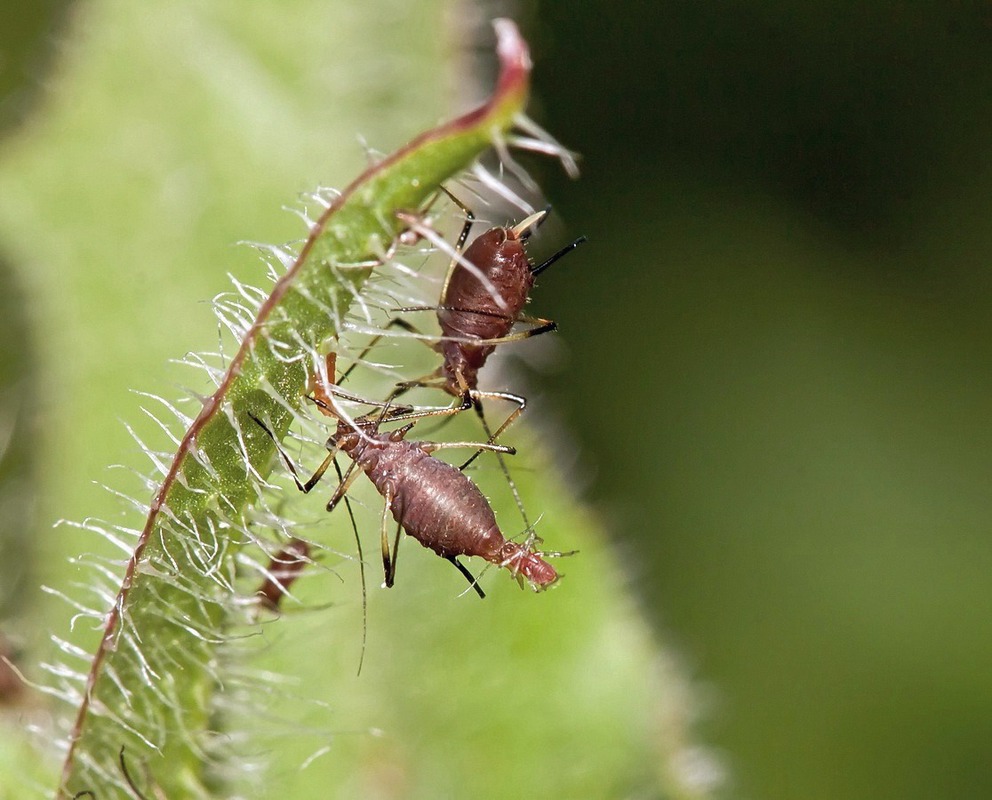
x,y
283,570
433,501
484,294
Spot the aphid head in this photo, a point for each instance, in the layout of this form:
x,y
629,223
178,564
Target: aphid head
x,y
526,565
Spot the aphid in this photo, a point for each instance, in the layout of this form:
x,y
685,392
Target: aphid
x,y
283,569
433,501
484,294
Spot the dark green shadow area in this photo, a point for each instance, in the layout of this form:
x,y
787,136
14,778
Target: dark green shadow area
x,y
28,42
781,367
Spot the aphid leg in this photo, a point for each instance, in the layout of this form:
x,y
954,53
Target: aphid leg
x,y
396,551
391,413
397,322
491,437
477,397
473,581
388,560
469,218
433,447
341,492
361,569
127,776
540,324
307,487
321,395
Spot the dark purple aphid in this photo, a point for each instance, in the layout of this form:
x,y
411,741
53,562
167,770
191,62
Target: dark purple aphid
x,y
483,297
434,502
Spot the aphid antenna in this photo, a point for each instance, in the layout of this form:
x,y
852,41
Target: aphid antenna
x,y
529,533
537,270
430,338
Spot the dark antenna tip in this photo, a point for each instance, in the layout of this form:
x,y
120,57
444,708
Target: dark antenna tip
x,y
560,254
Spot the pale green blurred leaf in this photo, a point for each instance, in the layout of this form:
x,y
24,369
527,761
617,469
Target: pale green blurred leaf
x,y
172,132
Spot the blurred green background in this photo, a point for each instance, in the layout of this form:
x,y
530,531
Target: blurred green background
x,y
781,366
777,377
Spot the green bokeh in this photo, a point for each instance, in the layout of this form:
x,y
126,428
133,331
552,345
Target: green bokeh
x,y
781,371
780,359
169,132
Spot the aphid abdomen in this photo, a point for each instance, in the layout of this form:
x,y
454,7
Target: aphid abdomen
x,y
438,505
469,307
434,502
